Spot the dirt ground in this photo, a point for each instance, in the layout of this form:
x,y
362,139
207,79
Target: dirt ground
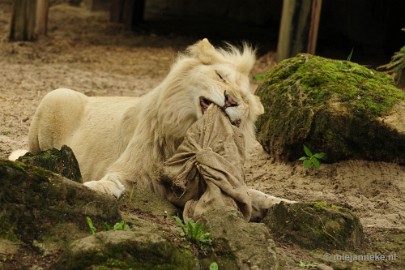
x,y
83,51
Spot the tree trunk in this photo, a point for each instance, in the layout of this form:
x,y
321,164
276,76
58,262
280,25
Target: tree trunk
x,y
41,20
129,12
94,5
299,27
29,19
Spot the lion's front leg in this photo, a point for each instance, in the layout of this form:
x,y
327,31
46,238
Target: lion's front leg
x,y
111,184
261,202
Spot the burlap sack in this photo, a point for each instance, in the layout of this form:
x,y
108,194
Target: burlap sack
x,y
207,170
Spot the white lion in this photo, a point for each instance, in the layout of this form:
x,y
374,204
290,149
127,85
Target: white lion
x,y
120,141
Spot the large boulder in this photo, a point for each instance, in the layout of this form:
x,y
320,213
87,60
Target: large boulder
x,y
338,107
37,204
43,213
138,249
250,245
318,225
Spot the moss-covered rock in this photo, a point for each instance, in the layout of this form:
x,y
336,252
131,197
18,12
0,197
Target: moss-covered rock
x,y
61,161
316,225
144,201
247,245
38,204
43,213
138,249
337,107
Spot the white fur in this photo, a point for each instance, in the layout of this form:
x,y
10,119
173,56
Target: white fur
x,y
16,154
261,202
121,141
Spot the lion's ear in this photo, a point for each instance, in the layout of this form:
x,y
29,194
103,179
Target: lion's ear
x,y
246,59
205,52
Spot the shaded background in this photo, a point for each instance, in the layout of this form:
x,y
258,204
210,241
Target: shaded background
x,y
372,28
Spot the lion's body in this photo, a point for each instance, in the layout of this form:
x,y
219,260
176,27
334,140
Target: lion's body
x,y
120,141
92,126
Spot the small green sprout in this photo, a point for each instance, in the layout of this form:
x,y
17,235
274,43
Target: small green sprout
x,y
349,57
120,226
194,232
311,160
214,266
93,229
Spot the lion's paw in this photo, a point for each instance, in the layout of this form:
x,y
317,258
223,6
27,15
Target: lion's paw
x,y
114,188
261,202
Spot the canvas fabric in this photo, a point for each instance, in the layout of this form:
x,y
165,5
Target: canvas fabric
x,y
207,172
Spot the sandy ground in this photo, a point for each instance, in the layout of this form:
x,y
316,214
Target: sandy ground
x,y
83,51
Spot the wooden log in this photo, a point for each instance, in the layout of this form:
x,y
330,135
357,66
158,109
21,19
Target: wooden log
x,y
28,20
314,26
22,20
41,17
299,27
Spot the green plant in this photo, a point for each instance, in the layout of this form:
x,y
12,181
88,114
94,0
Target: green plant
x,y
311,160
308,265
349,57
397,63
259,77
7,258
93,229
194,232
214,266
120,226
396,66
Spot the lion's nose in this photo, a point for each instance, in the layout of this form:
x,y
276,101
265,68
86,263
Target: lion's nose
x,y
229,102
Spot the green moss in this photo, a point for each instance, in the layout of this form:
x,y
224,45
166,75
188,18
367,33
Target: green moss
x,y
62,162
16,165
113,263
127,250
24,168
7,230
320,80
38,204
323,204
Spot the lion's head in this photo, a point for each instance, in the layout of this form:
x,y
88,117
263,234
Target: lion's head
x,y
205,75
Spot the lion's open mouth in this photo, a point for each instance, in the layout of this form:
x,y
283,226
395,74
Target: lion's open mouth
x,y
205,103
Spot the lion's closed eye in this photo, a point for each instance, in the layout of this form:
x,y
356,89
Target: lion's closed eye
x,y
221,77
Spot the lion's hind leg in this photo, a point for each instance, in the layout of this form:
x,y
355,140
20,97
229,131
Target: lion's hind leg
x,y
33,143
55,119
